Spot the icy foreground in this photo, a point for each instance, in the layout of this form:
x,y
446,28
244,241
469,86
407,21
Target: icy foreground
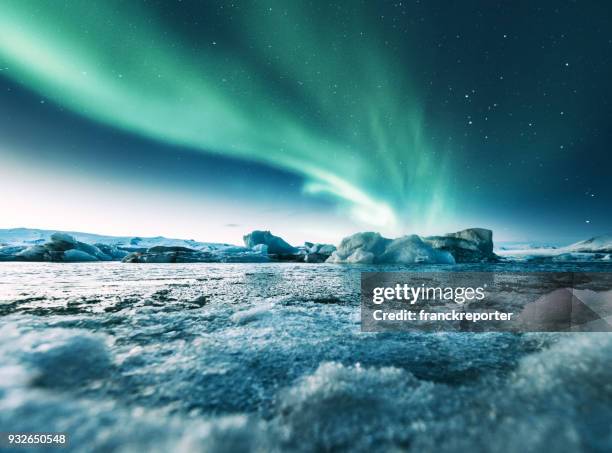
x,y
270,357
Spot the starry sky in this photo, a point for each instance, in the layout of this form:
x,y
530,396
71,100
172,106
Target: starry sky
x,y
314,119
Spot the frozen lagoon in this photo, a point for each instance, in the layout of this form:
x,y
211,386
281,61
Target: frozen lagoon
x,y
270,357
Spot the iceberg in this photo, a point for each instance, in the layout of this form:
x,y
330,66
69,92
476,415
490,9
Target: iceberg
x,y
280,250
467,246
75,255
176,254
164,254
62,247
372,248
275,244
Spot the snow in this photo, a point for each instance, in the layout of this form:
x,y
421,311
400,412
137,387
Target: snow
x,y
597,248
31,236
598,244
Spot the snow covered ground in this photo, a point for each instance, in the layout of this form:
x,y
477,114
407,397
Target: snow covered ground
x,y
595,249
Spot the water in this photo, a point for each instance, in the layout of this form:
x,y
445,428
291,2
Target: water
x,y
270,357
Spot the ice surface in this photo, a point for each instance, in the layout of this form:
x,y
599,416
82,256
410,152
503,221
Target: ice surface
x,y
269,357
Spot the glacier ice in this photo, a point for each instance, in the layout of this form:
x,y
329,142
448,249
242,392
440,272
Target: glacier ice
x,y
372,248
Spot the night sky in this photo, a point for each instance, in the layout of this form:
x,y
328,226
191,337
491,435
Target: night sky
x,y
314,119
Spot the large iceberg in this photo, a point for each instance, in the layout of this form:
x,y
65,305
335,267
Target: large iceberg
x,y
317,253
61,247
372,248
466,246
275,245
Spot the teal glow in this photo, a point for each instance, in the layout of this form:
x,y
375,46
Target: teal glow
x,y
293,91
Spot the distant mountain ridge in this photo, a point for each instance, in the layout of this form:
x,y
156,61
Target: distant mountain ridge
x,y
598,248
33,236
598,244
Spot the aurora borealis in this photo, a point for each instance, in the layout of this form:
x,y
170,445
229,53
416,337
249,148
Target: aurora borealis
x,y
401,116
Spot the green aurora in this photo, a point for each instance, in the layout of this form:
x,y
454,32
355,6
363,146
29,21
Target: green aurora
x,y
283,84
